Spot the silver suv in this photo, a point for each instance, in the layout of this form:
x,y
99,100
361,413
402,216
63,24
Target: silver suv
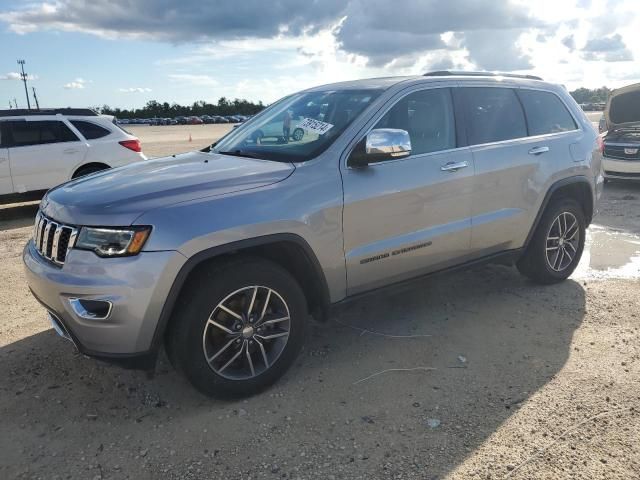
x,y
222,255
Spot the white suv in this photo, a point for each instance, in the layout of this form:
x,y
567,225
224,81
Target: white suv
x,y
40,149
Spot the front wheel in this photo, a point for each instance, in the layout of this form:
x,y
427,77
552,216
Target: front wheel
x,y
238,328
557,244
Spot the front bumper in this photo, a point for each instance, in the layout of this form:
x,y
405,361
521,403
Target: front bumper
x,y
621,169
136,287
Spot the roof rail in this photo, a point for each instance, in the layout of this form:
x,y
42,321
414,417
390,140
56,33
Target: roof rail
x,y
87,112
464,73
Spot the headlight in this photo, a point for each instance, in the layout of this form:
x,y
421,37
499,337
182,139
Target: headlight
x,y
113,242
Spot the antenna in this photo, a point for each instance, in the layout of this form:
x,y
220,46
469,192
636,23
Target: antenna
x,y
35,97
24,80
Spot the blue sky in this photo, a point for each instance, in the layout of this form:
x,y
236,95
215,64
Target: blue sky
x,y
124,53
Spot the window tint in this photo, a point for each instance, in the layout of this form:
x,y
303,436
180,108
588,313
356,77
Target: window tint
x,y
428,117
545,113
89,130
494,114
40,132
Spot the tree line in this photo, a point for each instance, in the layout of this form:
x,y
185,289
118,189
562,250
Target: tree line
x,y
587,95
155,109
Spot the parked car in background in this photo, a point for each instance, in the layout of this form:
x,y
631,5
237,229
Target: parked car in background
x,y
222,255
194,121
622,138
44,148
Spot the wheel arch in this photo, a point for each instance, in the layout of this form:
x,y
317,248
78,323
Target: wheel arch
x,y
288,250
84,166
578,187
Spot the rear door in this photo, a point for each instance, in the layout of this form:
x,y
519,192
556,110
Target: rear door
x,y
6,186
515,156
43,153
404,217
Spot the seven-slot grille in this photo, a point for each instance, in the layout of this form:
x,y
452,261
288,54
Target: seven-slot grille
x,y
53,240
622,152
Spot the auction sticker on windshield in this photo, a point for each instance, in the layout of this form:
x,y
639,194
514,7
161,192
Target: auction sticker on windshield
x,y
315,126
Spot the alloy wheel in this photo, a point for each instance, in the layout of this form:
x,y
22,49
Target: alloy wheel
x,y
562,241
246,332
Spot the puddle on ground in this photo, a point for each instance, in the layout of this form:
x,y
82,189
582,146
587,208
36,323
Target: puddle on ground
x,y
609,254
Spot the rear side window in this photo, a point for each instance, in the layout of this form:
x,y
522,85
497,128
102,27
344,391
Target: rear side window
x,y
493,115
428,117
89,130
40,132
545,113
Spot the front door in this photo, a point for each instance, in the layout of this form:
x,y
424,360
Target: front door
x,y
405,217
42,154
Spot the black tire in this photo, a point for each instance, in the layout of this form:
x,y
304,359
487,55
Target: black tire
x,y
534,263
188,337
298,133
83,171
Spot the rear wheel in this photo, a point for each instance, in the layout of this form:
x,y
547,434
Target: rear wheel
x,y
237,336
557,244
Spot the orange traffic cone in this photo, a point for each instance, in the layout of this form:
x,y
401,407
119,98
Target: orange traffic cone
x,y
190,139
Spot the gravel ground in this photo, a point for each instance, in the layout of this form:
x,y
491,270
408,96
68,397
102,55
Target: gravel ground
x,y
496,378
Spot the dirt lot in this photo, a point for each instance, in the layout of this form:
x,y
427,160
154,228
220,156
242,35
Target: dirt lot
x,y
504,379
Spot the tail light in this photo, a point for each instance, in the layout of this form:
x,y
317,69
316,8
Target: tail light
x,y
132,145
600,144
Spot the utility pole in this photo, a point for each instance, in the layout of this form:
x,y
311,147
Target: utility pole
x,y
35,97
24,80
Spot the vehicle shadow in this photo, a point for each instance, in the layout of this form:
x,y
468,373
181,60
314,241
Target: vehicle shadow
x,y
17,215
458,353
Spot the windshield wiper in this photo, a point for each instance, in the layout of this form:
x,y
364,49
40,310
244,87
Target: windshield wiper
x,y
240,153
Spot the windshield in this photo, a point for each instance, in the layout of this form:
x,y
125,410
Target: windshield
x,y
299,127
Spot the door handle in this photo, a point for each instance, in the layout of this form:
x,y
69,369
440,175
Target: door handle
x,y
71,150
454,166
538,150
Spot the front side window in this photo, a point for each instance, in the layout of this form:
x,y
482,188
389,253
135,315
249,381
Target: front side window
x,y
298,127
493,115
428,117
40,132
545,113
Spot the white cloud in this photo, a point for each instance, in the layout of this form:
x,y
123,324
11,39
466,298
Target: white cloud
x,y
134,90
76,84
16,76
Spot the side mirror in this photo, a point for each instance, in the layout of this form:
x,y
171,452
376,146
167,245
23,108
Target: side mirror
x,y
379,145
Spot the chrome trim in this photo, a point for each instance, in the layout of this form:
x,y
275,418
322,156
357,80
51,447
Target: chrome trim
x,y
56,239
72,240
538,150
454,166
388,141
43,243
59,327
83,313
621,144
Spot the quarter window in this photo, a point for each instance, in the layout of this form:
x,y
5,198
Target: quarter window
x,y
494,115
40,132
89,130
545,113
428,117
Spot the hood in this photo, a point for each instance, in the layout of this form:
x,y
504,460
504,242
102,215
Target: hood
x,y
623,107
120,195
